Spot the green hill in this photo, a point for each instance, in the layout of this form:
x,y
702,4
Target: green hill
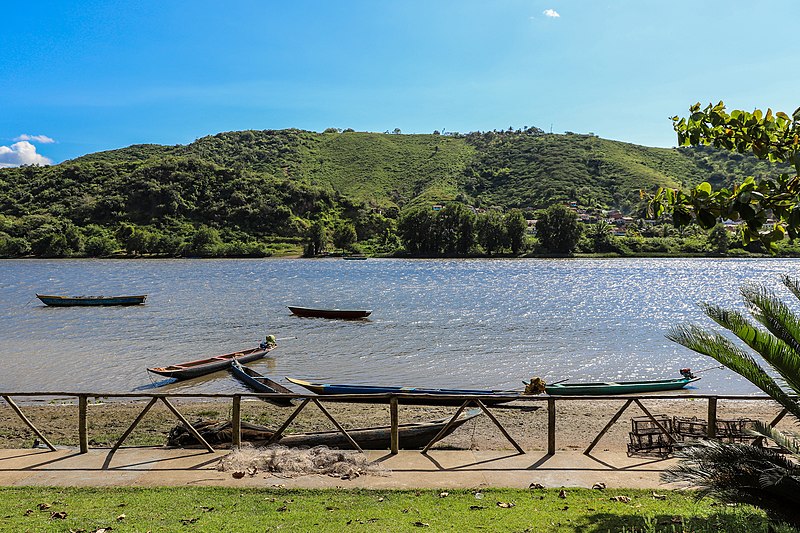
x,y
253,189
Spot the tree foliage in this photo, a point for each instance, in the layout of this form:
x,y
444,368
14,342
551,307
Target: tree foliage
x,y
774,137
558,230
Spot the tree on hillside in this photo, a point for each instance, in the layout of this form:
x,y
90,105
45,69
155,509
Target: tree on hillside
x,y
599,234
719,240
417,231
773,137
455,224
558,230
317,239
516,227
344,235
491,230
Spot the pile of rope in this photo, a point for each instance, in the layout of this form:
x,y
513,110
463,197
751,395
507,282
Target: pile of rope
x,y
293,462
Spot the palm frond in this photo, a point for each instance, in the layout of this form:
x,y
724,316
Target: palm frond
x,y
723,350
784,440
793,284
739,473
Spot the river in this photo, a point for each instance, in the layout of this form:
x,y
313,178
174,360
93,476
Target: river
x,y
483,323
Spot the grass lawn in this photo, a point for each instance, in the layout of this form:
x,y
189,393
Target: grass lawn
x,y
277,509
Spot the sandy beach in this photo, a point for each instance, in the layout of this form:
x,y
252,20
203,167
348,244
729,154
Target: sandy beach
x,y
577,421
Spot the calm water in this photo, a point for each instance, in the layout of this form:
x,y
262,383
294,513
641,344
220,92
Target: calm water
x,y
453,323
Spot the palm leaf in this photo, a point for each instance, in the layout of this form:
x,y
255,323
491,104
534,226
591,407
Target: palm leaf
x,y
723,350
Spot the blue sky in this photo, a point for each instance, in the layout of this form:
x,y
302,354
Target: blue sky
x,y
96,75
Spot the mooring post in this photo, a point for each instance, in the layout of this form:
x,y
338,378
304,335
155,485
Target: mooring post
x,y
551,426
395,435
236,421
83,435
712,417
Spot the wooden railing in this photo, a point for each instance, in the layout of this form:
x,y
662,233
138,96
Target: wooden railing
x,y
486,403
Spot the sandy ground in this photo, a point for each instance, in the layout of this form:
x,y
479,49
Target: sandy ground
x,y
577,421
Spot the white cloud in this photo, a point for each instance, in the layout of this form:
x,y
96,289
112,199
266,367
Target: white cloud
x,y
44,139
552,13
21,153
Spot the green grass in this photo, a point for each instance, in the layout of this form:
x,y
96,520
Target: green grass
x,y
277,509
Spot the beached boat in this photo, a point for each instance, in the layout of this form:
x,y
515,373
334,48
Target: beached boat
x,y
354,257
200,367
260,383
411,436
617,387
348,314
65,301
427,396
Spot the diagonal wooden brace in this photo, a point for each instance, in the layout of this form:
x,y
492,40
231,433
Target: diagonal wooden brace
x,y
608,426
353,443
279,433
188,425
446,427
656,422
135,423
28,422
499,426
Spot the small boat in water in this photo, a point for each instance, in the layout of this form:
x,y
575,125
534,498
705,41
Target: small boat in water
x,y
201,367
621,387
67,301
347,314
411,436
354,257
427,396
260,383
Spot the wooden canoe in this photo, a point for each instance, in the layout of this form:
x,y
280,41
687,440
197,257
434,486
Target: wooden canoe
x,y
66,301
347,314
200,367
427,396
411,436
617,387
260,383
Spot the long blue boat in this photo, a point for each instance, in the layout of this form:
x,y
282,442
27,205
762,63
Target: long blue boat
x,y
427,395
69,301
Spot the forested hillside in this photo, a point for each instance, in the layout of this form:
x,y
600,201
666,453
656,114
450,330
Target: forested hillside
x,y
262,192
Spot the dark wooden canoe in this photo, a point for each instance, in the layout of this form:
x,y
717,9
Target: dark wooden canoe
x,y
348,314
65,301
200,367
412,436
427,396
260,383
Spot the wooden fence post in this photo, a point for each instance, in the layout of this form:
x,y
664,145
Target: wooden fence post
x,y
712,417
236,421
395,429
551,426
83,435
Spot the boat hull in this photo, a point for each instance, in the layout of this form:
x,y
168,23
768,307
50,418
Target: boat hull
x,y
72,301
260,383
611,388
201,367
346,314
412,436
427,396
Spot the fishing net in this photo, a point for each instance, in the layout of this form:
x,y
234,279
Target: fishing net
x,y
292,462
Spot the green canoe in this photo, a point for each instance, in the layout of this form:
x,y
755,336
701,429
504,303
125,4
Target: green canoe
x,y
617,387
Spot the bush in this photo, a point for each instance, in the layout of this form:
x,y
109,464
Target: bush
x,y
100,246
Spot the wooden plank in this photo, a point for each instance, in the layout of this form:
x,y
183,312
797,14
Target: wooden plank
x,y
500,426
656,422
236,421
28,422
446,427
343,431
608,426
83,434
188,425
128,431
277,435
711,429
394,417
760,440
551,426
